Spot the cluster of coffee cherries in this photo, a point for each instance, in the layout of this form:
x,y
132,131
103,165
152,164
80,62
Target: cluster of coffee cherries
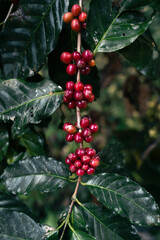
x,y
84,160
88,129
76,17
78,94
76,61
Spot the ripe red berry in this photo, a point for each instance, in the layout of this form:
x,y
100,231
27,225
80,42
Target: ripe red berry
x,y
15,1
84,25
71,104
78,86
78,164
84,122
66,57
70,85
66,100
76,56
88,86
80,152
83,17
78,138
69,128
92,63
87,93
87,55
81,104
89,139
86,132
71,69
85,167
72,157
81,63
90,171
88,117
76,25
86,70
76,10
68,17
69,137
91,99
67,161
94,128
86,159
78,96
72,168
90,152
97,157
80,172
94,163
68,94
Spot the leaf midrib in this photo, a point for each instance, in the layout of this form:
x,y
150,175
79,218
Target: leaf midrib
x,y
32,100
38,174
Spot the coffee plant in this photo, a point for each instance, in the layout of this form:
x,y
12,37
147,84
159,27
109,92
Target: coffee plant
x,y
68,35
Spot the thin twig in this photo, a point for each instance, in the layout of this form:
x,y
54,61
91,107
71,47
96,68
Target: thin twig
x,y
8,14
150,148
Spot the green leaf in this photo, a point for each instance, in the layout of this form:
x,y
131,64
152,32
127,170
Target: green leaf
x,y
77,219
105,224
53,236
4,141
136,4
125,197
15,222
79,235
30,35
38,173
28,102
144,55
15,225
110,30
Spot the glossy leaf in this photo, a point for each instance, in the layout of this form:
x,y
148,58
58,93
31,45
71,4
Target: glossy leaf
x,y
4,141
105,224
16,225
113,29
79,235
144,56
125,197
77,219
38,173
136,4
30,35
28,102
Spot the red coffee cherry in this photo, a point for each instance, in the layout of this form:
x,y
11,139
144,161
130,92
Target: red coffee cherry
x,y
90,171
67,161
81,63
66,57
79,86
83,17
72,168
68,94
94,163
70,85
86,159
72,105
92,63
78,164
71,69
81,104
76,56
87,93
72,157
87,55
88,117
97,157
80,172
76,10
91,99
76,25
15,1
69,137
85,167
94,128
78,96
78,138
66,100
88,86
69,128
86,132
84,122
80,152
68,17
86,70
90,152
89,139
84,25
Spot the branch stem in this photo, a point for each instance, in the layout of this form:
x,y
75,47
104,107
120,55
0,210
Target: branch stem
x,y
8,14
